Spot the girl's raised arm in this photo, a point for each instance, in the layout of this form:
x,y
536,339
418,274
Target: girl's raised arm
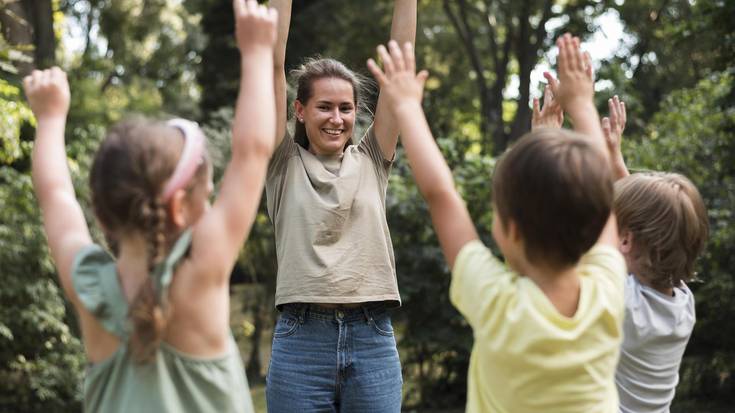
x,y
63,221
402,30
283,7
220,233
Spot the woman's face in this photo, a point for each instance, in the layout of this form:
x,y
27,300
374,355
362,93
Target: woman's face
x,y
328,116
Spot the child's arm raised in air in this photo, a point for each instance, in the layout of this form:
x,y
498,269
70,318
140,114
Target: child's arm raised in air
x,y
402,90
575,92
575,89
283,7
612,128
402,31
219,235
550,115
63,220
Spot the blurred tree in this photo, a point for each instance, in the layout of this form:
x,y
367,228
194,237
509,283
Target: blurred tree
x,y
502,38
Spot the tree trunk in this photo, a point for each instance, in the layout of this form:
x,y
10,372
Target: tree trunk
x,y
41,17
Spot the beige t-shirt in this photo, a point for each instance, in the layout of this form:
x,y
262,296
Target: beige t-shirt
x,y
332,238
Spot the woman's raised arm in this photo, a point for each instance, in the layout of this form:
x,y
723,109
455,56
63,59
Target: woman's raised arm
x,y
403,29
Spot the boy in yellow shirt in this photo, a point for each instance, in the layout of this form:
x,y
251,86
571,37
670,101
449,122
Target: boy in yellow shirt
x,y
548,325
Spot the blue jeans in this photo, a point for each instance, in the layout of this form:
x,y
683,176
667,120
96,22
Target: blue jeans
x,y
334,360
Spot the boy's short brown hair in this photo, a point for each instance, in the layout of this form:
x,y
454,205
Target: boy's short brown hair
x,y
667,218
558,190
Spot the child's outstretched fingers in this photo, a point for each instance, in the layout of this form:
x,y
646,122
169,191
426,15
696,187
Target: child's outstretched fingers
x,y
614,125
387,61
398,81
397,56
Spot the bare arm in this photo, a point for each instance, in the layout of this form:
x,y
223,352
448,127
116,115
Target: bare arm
x,y
219,235
613,127
575,90
283,7
63,220
402,90
403,30
575,94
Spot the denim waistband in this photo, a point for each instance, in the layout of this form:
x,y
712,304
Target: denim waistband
x,y
364,312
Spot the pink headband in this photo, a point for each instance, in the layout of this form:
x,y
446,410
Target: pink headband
x,y
191,157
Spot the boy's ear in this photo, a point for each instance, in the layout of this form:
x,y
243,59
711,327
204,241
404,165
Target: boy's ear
x,y
625,243
513,232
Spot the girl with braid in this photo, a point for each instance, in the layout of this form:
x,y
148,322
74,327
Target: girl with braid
x,y
155,318
333,345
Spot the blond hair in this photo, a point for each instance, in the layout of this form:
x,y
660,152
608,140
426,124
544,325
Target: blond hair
x,y
667,219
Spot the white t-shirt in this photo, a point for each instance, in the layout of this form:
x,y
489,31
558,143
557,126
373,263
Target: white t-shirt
x,y
656,331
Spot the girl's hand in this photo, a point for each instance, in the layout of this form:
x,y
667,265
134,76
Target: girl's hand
x,y
551,114
48,93
398,80
575,89
255,25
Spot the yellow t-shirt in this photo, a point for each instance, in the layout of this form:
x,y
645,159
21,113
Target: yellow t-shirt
x,y
527,357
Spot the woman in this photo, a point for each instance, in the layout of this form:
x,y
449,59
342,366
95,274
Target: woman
x,y
333,345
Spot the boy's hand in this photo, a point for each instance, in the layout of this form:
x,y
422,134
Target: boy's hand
x,y
612,129
48,93
399,83
575,89
613,126
551,114
255,25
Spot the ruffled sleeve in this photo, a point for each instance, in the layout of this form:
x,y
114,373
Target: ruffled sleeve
x,y
164,272
96,284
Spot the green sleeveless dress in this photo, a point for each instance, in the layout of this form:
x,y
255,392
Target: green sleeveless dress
x,y
173,381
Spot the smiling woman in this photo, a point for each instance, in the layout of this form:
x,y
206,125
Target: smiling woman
x,y
333,345
327,98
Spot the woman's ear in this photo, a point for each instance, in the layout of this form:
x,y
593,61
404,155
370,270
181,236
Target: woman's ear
x,y
299,110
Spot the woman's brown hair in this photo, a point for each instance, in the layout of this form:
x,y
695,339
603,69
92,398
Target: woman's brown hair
x,y
668,222
129,170
320,68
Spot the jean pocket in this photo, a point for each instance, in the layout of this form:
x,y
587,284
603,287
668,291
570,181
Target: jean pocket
x,y
285,326
382,325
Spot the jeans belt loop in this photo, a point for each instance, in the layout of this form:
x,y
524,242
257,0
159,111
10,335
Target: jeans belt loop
x,y
302,313
368,315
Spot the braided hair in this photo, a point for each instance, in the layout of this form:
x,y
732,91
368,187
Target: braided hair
x,y
128,173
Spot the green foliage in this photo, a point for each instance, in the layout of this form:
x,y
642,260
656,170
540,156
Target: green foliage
x,y
41,361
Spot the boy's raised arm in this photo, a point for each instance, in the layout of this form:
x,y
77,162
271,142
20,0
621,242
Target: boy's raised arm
x,y
402,90
613,127
575,92
66,229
